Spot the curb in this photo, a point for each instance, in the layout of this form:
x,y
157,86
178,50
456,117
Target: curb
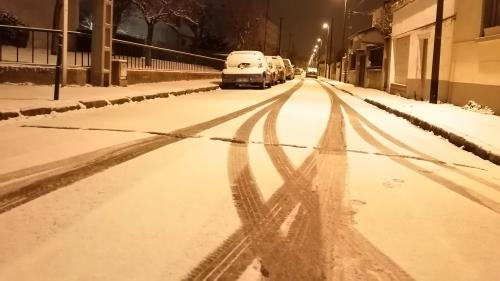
x,y
455,139
88,104
8,114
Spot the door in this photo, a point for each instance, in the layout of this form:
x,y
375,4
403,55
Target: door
x,y
362,70
423,67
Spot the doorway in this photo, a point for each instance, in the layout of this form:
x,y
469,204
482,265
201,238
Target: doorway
x,y
362,70
423,68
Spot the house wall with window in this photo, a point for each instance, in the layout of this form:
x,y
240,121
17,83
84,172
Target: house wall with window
x,y
412,44
470,51
366,62
476,54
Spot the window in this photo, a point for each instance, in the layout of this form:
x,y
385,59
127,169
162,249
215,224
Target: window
x,y
491,16
376,57
352,62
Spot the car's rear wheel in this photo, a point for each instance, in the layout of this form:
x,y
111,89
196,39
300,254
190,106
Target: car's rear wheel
x,y
263,85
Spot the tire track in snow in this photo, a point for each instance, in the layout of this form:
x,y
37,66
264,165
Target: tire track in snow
x,y
356,120
283,259
349,255
422,156
52,176
259,218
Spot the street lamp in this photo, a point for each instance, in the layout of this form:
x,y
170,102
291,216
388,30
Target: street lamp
x,y
327,27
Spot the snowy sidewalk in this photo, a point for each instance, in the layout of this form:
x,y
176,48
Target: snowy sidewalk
x,y
475,132
31,100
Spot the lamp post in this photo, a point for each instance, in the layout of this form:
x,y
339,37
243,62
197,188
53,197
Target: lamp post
x,y
315,53
327,27
265,28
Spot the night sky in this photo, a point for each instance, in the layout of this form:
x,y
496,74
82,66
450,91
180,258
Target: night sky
x,y
303,18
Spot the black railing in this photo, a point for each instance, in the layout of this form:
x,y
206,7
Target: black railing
x,y
38,46
141,56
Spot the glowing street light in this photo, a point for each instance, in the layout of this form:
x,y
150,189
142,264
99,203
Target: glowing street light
x,y
327,27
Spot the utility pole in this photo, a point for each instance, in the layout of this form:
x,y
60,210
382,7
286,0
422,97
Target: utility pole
x,y
437,52
279,39
343,43
265,28
289,44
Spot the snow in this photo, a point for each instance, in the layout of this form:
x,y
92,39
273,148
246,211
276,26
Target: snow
x,y
431,232
157,216
19,150
285,226
481,129
14,97
252,272
138,217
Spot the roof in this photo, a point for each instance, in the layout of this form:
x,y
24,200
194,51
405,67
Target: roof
x,y
371,35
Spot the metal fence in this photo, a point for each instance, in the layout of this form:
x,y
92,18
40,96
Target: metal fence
x,y
145,57
38,46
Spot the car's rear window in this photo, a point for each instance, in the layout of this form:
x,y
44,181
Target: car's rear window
x,y
287,63
249,59
277,61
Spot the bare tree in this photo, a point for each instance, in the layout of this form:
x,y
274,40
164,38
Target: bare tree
x,y
121,10
154,11
243,16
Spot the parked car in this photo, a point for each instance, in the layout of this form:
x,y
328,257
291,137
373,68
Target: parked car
x,y
244,68
274,69
312,72
289,71
278,61
299,71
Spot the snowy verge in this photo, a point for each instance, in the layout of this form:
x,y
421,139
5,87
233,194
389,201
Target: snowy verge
x,y
95,103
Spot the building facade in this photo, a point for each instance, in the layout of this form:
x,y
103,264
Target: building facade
x,y
366,63
470,54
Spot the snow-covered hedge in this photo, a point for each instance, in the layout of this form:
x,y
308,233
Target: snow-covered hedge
x,y
18,38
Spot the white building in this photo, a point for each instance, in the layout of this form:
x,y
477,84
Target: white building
x,y
470,54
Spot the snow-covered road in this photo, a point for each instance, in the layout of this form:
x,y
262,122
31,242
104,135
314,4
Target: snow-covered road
x,y
297,182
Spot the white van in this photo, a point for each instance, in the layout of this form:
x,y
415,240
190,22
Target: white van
x,y
246,68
